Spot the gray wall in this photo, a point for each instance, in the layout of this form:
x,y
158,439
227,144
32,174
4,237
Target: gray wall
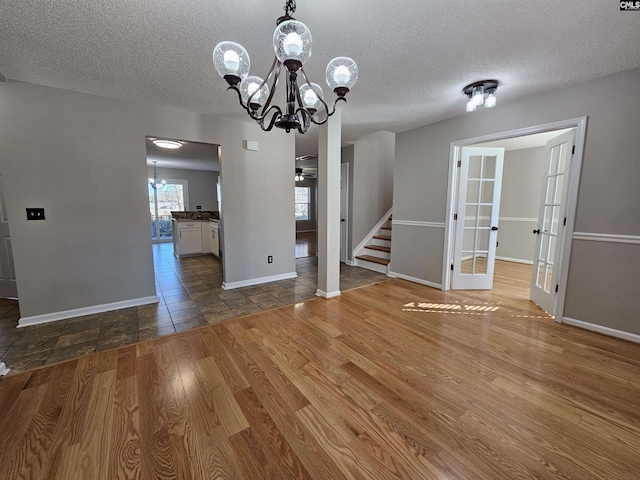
x,y
310,225
82,158
370,183
201,185
607,203
257,215
520,199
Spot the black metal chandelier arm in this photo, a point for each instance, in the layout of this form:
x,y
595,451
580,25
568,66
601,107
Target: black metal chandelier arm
x,y
277,66
305,115
252,114
237,90
329,113
276,114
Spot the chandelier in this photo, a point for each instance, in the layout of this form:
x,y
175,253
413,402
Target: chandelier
x,y
154,181
305,103
481,92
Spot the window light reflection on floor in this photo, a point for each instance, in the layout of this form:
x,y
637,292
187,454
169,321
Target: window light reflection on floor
x,y
456,308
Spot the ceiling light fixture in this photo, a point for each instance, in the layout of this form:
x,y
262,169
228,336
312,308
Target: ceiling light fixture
x,y
154,181
481,92
299,176
172,144
305,103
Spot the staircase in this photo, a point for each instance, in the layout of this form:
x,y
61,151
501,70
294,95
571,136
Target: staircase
x,y
376,253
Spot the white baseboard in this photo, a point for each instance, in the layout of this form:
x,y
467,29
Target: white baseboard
x,y
349,262
321,293
515,260
415,280
80,312
632,337
258,281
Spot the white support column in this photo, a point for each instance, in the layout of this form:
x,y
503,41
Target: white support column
x,y
329,143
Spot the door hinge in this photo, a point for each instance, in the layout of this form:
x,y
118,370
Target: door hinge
x,y
455,216
452,267
573,150
459,163
497,244
557,288
565,221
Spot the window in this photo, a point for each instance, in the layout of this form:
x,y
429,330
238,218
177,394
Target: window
x,y
303,201
173,196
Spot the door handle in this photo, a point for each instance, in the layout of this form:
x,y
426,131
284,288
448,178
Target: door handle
x,y
493,229
537,232
342,219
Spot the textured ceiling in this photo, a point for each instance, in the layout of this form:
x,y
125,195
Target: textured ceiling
x,y
414,56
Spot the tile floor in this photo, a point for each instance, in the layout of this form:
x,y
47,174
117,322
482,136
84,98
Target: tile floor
x,y
190,295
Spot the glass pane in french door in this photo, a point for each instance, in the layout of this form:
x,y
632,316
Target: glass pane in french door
x,y
551,218
477,219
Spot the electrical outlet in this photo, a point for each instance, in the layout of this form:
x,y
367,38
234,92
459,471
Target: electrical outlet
x,y
35,213
270,259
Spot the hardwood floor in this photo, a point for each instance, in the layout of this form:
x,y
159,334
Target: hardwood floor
x,y
390,381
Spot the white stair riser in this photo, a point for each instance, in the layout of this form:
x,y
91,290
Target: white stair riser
x,y
382,243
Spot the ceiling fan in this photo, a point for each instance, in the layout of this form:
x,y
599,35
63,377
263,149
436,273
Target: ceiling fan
x,y
300,175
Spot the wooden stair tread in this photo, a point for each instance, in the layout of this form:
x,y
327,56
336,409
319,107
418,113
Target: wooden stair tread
x,y
370,258
386,228
382,237
380,248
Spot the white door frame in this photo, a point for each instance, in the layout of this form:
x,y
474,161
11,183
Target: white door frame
x,y
575,167
344,209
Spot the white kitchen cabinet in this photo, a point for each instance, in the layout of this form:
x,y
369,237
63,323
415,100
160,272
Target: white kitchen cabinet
x,y
187,238
214,238
206,243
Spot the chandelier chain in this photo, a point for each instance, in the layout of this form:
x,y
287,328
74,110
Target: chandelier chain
x,y
290,7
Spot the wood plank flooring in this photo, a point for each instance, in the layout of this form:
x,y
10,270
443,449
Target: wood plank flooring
x,y
390,381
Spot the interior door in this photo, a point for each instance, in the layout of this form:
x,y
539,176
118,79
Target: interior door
x,y
8,285
478,208
344,209
550,229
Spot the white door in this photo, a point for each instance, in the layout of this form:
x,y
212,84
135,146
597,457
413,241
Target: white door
x,y
551,220
8,285
478,208
344,209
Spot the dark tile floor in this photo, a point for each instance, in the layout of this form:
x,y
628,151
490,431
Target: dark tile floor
x,y
190,295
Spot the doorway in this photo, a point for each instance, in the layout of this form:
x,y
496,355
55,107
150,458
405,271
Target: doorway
x,y
476,229
8,283
181,178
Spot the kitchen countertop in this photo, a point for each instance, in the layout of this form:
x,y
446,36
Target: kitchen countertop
x,y
194,215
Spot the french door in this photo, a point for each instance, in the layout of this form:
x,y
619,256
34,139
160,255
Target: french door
x,y
478,206
550,228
